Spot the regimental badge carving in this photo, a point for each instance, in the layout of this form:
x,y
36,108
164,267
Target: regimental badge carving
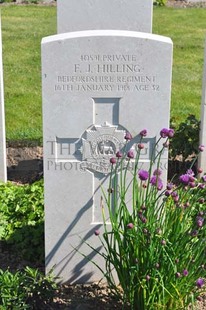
x,y
99,144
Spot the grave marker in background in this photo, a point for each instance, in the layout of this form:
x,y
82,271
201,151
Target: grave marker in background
x,y
202,156
96,86
78,15
3,166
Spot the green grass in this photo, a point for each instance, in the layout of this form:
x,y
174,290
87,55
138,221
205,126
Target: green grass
x,y
23,28
187,29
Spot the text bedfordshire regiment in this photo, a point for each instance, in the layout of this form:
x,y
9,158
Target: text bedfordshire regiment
x,y
105,79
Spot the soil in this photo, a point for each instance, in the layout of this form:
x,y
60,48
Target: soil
x,y
24,164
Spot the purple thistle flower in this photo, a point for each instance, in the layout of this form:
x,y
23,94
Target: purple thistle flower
x,y
97,232
128,136
190,172
143,133
160,186
184,179
164,133
113,160
200,282
167,193
185,272
169,186
199,170
178,274
153,180
192,179
119,154
194,233
130,154
201,200
174,194
170,133
140,146
156,181
192,184
167,133
187,204
143,218
204,178
201,148
199,221
143,207
157,172
176,198
143,175
201,186
130,225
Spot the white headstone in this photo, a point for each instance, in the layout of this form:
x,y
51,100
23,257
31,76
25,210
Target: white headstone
x,y
96,86
78,15
3,166
202,156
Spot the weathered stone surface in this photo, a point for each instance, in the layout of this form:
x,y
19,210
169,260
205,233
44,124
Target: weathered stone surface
x,y
96,86
134,15
202,156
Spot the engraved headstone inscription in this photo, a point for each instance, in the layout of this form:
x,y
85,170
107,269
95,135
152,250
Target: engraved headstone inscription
x,y
97,85
202,156
134,15
3,166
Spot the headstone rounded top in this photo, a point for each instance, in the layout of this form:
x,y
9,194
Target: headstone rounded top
x,y
104,33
